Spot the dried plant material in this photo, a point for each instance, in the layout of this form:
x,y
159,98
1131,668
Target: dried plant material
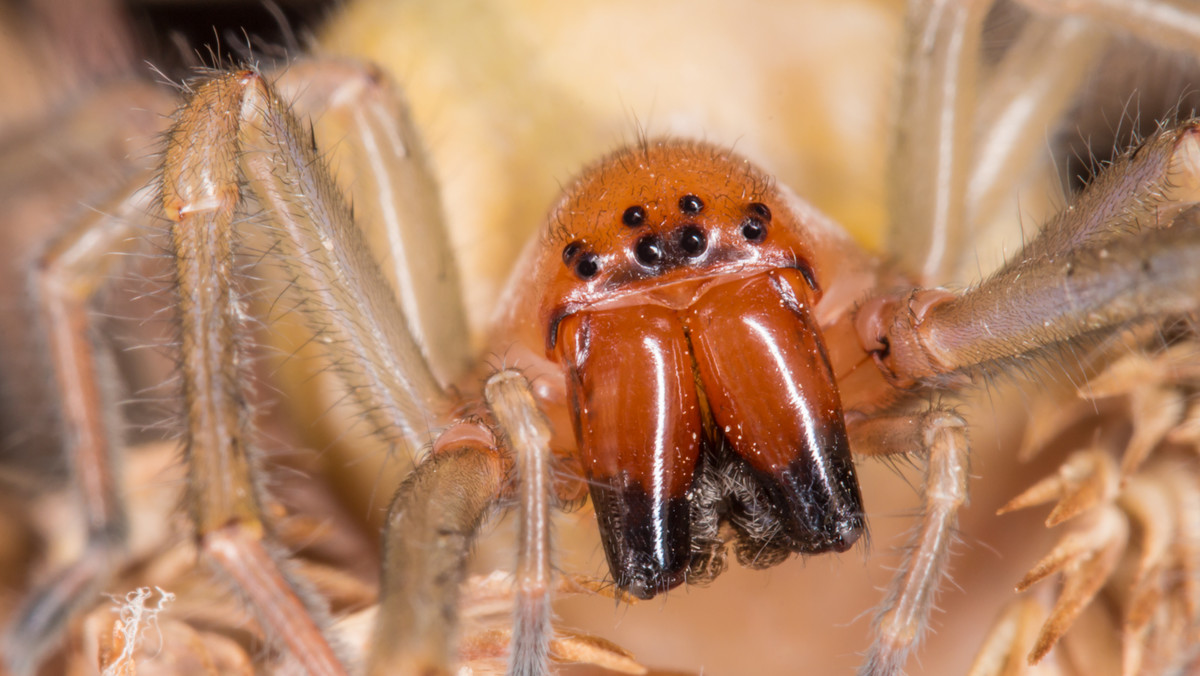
x,y
1155,412
1093,646
353,630
1156,406
1153,589
1041,430
1162,501
1145,603
1150,508
486,651
342,590
1170,643
1186,545
1160,625
485,605
1087,557
485,596
586,584
1187,432
190,651
1011,638
135,617
573,648
1085,480
485,646
1123,376
492,594
1170,366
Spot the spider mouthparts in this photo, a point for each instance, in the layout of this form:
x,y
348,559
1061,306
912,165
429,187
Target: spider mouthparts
x,y
647,538
638,427
774,401
817,505
846,533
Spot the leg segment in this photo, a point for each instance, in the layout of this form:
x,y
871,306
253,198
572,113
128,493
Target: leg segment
x,y
940,436
1124,252
527,436
345,298
200,195
1031,89
432,524
430,528
350,306
935,116
389,178
236,132
68,275
1170,23
975,131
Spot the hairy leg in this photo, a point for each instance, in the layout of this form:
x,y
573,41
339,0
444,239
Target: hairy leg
x,y
430,528
67,277
939,437
1124,251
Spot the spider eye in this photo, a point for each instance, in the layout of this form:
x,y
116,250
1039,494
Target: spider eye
x,y
587,266
690,204
649,250
634,216
759,209
570,250
754,230
807,272
692,241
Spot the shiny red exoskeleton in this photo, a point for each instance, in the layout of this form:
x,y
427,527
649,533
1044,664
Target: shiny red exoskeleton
x,y
682,296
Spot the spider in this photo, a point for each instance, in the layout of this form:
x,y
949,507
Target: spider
x,y
876,337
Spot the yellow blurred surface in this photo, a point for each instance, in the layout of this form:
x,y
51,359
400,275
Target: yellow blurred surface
x,y
515,97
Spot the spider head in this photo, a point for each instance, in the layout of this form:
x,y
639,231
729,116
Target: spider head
x,y
699,387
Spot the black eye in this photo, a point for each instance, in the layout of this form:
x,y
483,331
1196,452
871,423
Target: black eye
x,y
570,250
692,241
634,216
754,230
759,209
690,204
807,272
587,266
649,250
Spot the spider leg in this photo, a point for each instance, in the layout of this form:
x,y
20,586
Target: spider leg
x,y
527,435
433,521
66,278
253,137
236,135
939,436
431,525
385,171
397,206
938,83
200,191
346,299
1141,190
1029,91
1174,24
1110,259
976,152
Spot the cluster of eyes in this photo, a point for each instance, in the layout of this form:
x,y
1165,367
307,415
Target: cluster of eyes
x,y
649,250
